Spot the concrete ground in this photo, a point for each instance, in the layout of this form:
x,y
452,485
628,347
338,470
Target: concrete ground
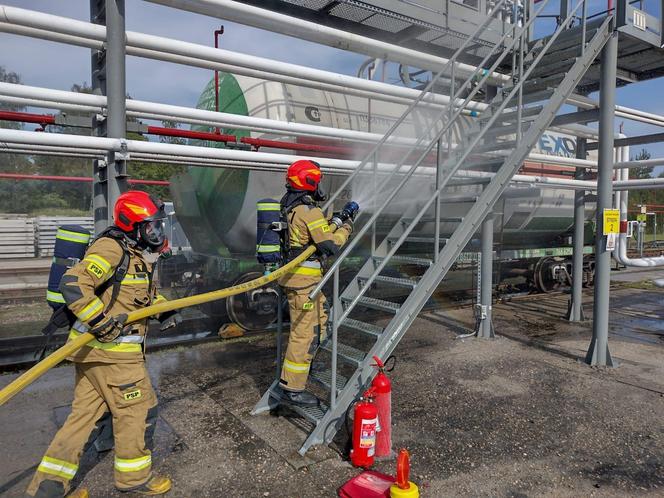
x,y
517,416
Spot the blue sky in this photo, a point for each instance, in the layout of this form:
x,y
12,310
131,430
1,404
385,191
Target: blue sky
x,y
53,65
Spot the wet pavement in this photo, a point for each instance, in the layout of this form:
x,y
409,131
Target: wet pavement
x,y
517,416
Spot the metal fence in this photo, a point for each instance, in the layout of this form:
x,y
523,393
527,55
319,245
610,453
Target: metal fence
x,y
47,226
17,237
24,237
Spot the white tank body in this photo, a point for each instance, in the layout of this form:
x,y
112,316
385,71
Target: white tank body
x,y
217,206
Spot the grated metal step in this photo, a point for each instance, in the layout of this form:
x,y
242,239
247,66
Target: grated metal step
x,y
347,353
311,413
400,282
418,240
511,116
458,199
365,328
528,98
324,378
406,260
494,146
431,219
376,304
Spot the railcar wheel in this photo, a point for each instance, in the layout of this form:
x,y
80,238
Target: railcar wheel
x,y
253,310
549,274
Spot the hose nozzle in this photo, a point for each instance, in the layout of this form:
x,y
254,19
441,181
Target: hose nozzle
x,y
348,212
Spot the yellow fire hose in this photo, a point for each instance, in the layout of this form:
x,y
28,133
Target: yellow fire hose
x,y
60,354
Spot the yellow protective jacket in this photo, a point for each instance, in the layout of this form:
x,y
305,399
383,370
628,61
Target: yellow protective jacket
x,y
87,289
307,224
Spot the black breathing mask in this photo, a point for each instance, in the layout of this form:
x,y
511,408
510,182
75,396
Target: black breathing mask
x,y
319,195
152,235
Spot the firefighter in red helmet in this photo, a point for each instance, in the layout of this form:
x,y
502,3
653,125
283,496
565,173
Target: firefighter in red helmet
x,y
113,279
307,225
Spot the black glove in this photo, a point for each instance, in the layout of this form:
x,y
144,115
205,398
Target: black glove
x,y
169,320
111,329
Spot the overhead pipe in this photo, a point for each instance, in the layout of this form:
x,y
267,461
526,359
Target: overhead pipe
x,y
197,116
86,179
210,57
152,110
621,111
622,200
193,153
201,63
93,36
318,33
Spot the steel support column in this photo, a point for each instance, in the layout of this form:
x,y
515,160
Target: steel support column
x,y
98,82
575,307
485,323
598,352
117,93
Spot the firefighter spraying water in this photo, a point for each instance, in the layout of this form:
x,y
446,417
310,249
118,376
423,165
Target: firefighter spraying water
x,y
300,224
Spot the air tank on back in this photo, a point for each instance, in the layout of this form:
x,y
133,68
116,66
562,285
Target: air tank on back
x,y
216,206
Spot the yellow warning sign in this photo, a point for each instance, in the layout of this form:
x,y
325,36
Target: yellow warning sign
x,y
611,221
641,217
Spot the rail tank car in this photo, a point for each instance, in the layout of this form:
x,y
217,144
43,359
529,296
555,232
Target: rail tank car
x,y
216,206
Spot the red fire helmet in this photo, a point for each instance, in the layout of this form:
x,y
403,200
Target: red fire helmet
x,y
304,175
136,207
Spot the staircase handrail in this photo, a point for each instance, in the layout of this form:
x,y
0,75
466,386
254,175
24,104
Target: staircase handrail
x,y
486,73
427,205
368,157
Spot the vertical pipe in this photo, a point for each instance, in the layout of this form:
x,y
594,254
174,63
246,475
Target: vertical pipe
x,y
598,351
575,308
116,95
485,329
98,82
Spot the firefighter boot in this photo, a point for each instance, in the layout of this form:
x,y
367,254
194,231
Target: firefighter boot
x,y
79,493
157,485
300,398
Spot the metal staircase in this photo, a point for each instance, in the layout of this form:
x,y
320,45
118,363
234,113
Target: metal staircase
x,y
544,73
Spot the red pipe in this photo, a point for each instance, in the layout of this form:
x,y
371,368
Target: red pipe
x,y
199,135
14,176
26,117
277,144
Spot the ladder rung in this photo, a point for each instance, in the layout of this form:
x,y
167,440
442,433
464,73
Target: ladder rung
x,y
347,353
406,260
401,282
366,328
324,378
377,304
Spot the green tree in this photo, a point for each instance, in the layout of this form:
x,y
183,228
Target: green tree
x,y
639,197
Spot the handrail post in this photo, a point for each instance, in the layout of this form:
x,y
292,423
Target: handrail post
x,y
439,162
584,22
335,327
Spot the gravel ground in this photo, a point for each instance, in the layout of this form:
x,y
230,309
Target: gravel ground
x,y
517,416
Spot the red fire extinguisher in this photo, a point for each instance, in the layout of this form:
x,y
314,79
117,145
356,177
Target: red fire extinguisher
x,y
364,431
382,388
